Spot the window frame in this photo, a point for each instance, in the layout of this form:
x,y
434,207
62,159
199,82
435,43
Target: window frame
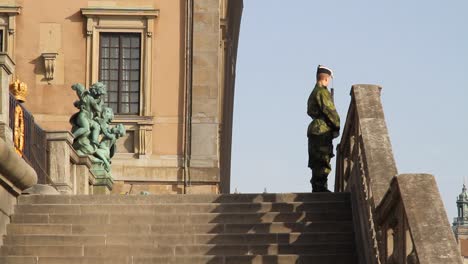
x,y
122,20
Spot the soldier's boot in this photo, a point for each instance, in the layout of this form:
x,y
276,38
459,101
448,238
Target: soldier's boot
x,y
319,180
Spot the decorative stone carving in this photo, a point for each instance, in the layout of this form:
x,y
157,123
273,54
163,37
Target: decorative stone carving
x,y
92,131
49,64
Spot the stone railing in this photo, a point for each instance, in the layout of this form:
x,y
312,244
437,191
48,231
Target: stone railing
x,y
71,173
397,218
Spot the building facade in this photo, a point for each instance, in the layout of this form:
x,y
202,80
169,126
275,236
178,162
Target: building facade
x,y
169,67
460,223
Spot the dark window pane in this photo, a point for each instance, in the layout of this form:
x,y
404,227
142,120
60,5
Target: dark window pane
x,y
112,86
135,53
126,53
114,53
126,42
134,97
104,64
134,108
114,41
125,64
134,75
112,97
135,64
104,75
114,64
124,108
125,75
134,86
104,42
105,53
114,75
114,107
124,86
135,42
124,97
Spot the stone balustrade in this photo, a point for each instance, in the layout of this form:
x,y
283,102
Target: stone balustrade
x,y
397,218
69,172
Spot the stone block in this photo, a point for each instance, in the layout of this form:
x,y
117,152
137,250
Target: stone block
x,y
206,6
123,251
204,140
206,42
110,229
7,201
205,76
42,251
206,60
18,260
55,240
38,229
206,22
4,221
84,260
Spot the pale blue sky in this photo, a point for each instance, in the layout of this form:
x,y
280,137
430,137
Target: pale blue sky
x,y
416,50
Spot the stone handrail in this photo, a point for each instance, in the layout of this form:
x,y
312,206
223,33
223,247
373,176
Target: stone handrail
x,y
14,171
395,220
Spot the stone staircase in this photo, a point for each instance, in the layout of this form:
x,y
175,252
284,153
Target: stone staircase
x,y
210,229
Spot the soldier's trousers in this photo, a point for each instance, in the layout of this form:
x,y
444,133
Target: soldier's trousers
x,y
320,154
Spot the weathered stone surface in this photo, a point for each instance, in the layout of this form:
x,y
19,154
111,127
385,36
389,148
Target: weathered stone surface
x,y
427,219
380,163
42,189
180,228
14,171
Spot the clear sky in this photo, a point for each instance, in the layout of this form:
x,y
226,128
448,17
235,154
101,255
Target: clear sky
x,y
416,50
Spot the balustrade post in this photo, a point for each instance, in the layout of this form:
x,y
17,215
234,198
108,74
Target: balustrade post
x,y
7,67
58,152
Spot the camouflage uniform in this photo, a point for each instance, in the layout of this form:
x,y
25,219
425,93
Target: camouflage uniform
x,y
321,131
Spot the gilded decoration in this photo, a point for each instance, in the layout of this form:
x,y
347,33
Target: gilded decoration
x,y
19,90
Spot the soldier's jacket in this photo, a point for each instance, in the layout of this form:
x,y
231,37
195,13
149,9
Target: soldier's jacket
x,y
321,108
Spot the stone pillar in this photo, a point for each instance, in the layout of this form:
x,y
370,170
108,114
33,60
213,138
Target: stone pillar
x,y
204,169
7,67
58,151
82,179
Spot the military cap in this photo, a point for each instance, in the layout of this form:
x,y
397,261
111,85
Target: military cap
x,y
323,69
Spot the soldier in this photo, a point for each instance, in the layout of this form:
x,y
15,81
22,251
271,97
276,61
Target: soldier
x,y
322,130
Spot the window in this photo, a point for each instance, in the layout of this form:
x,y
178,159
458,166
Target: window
x,y
119,69
1,40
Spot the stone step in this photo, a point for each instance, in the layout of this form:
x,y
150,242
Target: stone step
x,y
67,229
152,209
175,250
219,239
254,259
185,198
196,218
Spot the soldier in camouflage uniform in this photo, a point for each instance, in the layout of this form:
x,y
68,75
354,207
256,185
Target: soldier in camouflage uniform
x,y
322,130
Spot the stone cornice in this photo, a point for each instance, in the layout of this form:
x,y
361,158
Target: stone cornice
x,y
12,10
102,11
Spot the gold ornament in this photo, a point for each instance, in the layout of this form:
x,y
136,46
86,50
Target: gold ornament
x,y
19,130
19,90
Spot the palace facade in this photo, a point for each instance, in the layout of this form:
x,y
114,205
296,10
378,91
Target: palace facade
x,y
169,67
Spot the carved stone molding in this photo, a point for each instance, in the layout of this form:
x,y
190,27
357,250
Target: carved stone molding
x,y
49,64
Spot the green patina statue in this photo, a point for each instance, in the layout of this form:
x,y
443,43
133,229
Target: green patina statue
x,y
91,126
